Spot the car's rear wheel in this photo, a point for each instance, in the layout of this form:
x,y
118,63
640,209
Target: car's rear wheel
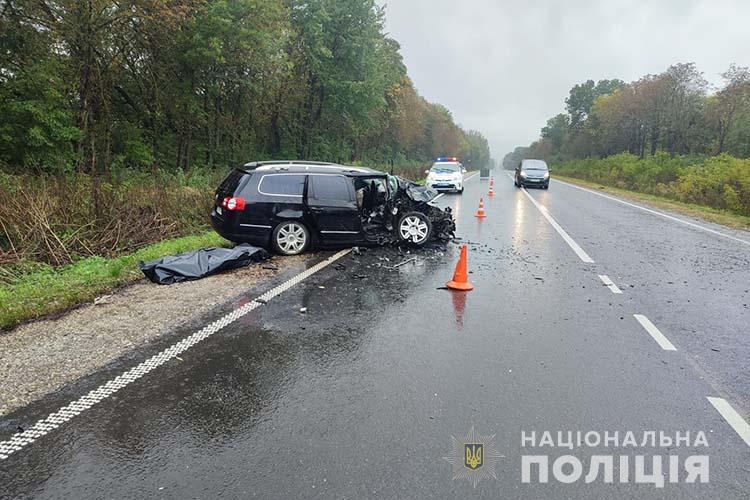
x,y
290,238
415,228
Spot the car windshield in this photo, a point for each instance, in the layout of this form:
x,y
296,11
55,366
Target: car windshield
x,y
445,167
535,165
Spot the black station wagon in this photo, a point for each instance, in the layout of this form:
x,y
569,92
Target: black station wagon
x,y
292,205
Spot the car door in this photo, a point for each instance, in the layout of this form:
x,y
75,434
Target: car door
x,y
332,207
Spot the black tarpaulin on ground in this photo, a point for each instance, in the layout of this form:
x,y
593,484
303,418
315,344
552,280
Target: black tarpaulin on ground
x,y
200,263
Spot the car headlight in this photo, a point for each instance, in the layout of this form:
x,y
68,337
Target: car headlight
x,y
523,174
546,175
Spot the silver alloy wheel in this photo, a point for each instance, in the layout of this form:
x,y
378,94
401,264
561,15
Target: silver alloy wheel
x,y
291,238
413,229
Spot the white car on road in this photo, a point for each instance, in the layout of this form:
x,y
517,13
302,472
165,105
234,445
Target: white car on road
x,y
446,174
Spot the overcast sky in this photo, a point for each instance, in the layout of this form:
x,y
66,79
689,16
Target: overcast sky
x,y
504,67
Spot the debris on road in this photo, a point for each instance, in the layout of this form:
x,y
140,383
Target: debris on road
x,y
413,259
303,310
200,263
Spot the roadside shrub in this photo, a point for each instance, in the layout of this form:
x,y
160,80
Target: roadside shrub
x,y
720,181
58,219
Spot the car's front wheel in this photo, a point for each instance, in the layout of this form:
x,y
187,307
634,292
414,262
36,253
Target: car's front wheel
x,y
415,228
290,238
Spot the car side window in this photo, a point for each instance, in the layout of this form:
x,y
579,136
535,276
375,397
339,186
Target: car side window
x,y
330,188
282,185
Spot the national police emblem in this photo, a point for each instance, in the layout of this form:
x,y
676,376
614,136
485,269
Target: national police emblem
x,y
473,457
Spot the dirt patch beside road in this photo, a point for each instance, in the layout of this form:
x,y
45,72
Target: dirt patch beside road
x,y
40,357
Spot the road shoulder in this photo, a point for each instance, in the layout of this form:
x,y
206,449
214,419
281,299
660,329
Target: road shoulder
x,y
40,357
705,214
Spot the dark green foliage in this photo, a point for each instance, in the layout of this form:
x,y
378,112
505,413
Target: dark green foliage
x,y
719,181
117,119
177,84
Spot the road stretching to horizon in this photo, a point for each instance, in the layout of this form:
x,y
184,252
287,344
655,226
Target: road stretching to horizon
x,y
589,315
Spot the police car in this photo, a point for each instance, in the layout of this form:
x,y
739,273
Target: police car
x,y
446,174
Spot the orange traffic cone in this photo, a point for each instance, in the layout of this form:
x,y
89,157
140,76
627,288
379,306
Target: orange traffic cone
x,y
492,187
480,211
460,279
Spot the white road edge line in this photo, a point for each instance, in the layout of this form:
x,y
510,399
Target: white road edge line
x,y
576,248
43,427
609,283
733,418
660,214
659,337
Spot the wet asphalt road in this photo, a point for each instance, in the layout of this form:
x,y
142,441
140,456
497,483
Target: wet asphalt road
x,y
360,396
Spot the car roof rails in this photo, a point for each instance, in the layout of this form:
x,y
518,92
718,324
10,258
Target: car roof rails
x,y
255,164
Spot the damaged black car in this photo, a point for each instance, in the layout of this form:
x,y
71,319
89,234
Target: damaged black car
x,y
290,206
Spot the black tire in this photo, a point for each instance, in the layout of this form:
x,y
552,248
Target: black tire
x,y
414,228
296,238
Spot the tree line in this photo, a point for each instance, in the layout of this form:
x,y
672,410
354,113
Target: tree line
x,y
92,86
675,111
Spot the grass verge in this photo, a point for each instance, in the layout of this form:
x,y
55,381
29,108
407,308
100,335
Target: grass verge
x,y
709,214
47,289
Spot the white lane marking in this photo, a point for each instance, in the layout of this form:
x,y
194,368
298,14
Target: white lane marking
x,y
733,418
659,337
43,427
609,283
576,248
660,214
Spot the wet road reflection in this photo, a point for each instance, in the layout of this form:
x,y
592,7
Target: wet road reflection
x,y
359,396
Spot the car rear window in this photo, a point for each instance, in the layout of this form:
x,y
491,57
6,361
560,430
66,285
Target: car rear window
x,y
282,184
330,188
229,185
